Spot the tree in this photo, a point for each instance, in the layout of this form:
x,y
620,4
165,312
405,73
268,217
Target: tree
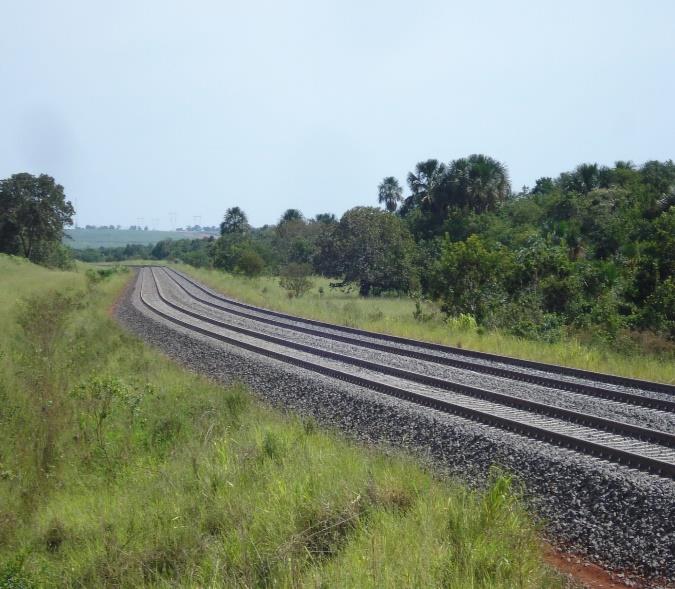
x,y
390,193
422,183
478,183
470,277
373,249
543,185
292,225
234,222
659,175
325,259
301,251
161,250
291,215
325,218
583,179
234,239
295,238
33,214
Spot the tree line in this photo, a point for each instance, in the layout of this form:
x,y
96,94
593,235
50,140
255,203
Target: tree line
x,y
591,251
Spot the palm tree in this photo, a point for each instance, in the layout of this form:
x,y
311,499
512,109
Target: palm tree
x,y
291,215
587,176
234,222
424,183
390,193
583,179
477,182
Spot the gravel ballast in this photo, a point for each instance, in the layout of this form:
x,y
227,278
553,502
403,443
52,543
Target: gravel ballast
x,y
618,517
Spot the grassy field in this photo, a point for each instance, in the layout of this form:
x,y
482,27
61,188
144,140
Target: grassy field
x,y
396,316
84,238
119,469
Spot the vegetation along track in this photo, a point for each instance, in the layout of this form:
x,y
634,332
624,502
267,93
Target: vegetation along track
x,y
645,448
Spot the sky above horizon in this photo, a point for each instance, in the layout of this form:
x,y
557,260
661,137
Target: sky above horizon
x,y
143,109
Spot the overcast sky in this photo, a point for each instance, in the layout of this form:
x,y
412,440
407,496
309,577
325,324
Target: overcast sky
x,y
142,108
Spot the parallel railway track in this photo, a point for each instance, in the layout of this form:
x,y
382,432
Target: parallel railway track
x,y
597,377
532,378
631,445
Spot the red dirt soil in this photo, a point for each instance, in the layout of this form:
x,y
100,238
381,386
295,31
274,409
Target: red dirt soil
x,y
592,576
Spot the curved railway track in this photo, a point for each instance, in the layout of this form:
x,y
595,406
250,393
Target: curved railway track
x,y
597,377
532,378
627,444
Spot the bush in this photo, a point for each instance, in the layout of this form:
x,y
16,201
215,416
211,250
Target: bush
x,y
471,277
462,322
12,575
419,314
659,312
97,401
96,275
295,279
250,263
53,255
524,317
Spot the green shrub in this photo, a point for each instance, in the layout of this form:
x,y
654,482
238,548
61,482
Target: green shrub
x,y
295,278
250,263
462,322
12,575
96,275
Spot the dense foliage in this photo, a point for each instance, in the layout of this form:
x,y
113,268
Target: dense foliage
x,y
591,252
33,214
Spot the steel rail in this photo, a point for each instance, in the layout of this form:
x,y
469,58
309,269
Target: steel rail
x,y
624,457
584,419
571,387
600,377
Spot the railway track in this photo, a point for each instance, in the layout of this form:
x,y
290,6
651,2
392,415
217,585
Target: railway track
x,y
295,324
634,446
596,377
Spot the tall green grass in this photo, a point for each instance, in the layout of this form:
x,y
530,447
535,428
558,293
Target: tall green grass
x,y
397,316
120,469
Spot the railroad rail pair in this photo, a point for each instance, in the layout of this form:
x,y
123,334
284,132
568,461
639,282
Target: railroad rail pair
x,y
628,444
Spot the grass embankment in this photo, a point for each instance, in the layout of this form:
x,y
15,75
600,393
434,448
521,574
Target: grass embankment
x,y
395,315
118,468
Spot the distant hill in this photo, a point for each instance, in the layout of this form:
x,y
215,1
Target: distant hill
x,y
84,238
